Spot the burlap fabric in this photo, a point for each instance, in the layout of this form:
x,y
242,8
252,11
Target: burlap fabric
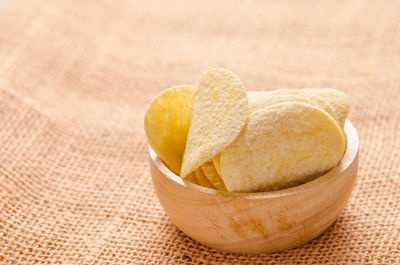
x,y
76,77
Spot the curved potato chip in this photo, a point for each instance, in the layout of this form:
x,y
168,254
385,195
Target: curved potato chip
x,y
192,178
220,110
339,101
216,160
260,100
202,180
212,175
167,122
280,145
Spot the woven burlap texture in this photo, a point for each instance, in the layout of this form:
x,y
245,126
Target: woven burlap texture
x,y
75,80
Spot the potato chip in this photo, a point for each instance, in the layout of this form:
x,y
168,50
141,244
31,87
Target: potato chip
x,y
212,175
282,144
333,101
192,178
260,100
202,180
167,122
220,110
216,160
339,101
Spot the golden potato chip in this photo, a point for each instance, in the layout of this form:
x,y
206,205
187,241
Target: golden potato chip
x,y
202,180
167,122
337,99
212,175
216,163
260,100
220,110
282,144
192,178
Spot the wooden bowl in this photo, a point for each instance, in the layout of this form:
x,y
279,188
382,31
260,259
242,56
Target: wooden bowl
x,y
261,221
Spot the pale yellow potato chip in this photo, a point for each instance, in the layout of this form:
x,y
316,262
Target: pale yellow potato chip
x,y
333,101
167,122
339,101
260,100
282,144
202,180
212,175
220,110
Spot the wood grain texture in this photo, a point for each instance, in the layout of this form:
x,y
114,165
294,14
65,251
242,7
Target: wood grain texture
x,y
258,222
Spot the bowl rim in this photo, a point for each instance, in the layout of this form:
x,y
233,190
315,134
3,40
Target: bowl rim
x,y
349,157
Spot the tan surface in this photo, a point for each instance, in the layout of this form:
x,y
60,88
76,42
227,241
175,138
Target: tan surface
x,y
75,77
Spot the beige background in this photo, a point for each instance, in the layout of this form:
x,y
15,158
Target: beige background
x,y
75,79
2,4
